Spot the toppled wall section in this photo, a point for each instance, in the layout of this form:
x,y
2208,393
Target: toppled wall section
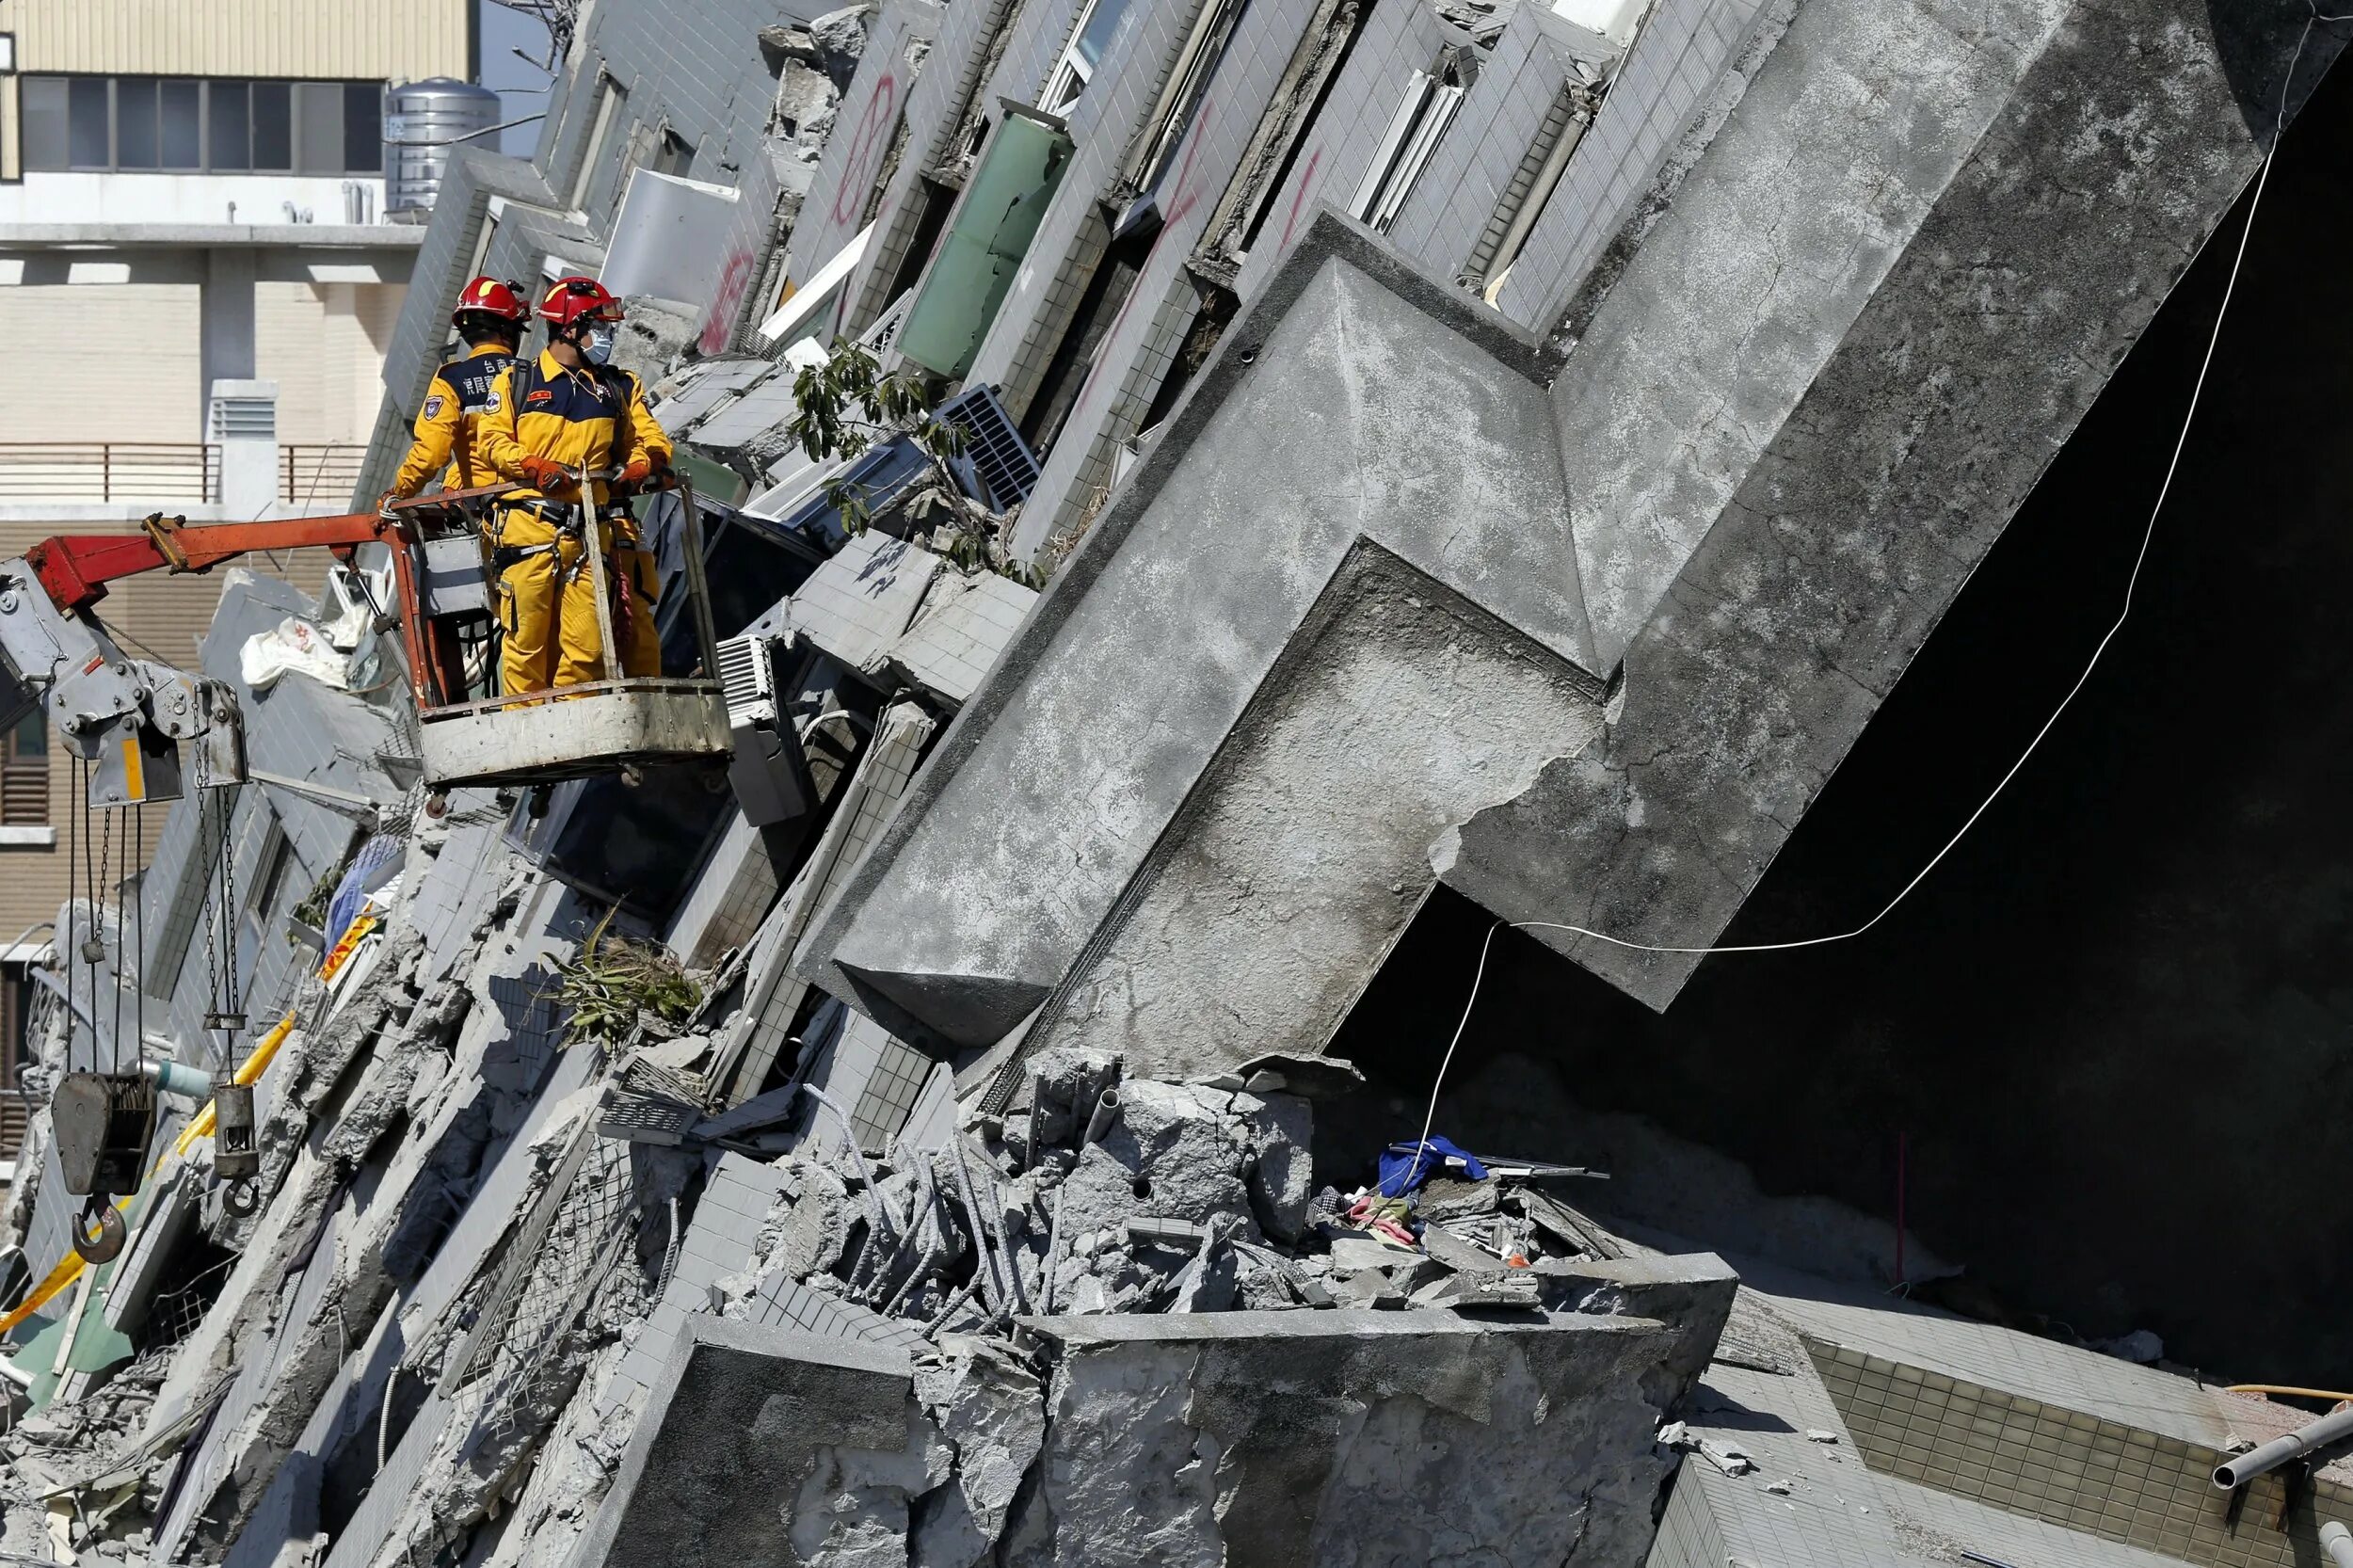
x,y
1788,547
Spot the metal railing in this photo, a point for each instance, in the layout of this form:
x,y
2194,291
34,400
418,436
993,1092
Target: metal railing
x,y
319,475
16,1116
182,471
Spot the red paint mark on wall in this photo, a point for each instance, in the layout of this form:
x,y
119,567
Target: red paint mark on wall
x,y
735,279
866,149
1299,199
1182,201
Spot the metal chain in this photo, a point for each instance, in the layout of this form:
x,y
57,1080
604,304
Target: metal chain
x,y
138,932
229,1004
114,1048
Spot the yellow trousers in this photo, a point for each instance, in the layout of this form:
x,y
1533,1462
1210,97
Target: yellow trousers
x,y
548,608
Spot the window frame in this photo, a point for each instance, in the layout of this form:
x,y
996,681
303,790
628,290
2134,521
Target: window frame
x,y
1414,132
1068,81
1188,84
59,121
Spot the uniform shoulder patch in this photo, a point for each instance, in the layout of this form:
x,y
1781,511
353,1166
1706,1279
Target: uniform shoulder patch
x,y
490,401
433,406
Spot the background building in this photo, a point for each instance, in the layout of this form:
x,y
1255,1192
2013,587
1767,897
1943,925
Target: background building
x,y
197,284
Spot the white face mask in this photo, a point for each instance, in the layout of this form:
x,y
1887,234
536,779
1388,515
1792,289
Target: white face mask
x,y
598,345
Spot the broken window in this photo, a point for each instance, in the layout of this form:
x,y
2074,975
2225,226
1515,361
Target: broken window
x,y
1180,99
1265,165
1097,22
1105,299
1431,102
1532,185
933,202
1007,196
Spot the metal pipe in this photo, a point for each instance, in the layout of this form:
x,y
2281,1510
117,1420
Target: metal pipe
x,y
2237,1470
2338,1543
1106,1112
177,1078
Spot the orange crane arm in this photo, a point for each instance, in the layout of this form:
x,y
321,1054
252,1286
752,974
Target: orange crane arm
x,y
76,567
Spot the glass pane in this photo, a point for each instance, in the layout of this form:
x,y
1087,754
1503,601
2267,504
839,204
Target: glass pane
x,y
231,146
182,122
45,143
363,127
318,121
1095,36
91,116
134,122
31,739
273,126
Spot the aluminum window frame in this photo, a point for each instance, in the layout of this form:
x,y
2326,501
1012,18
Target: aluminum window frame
x,y
1068,81
1414,132
40,82
1188,84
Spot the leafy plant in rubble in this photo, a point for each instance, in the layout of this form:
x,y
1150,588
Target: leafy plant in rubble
x,y
846,405
617,981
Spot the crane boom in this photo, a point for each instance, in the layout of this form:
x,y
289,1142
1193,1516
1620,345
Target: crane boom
x,y
128,715
74,568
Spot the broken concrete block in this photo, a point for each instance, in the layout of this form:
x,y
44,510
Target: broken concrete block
x,y
991,1408
761,1445
1255,1440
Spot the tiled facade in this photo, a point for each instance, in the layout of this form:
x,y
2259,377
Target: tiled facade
x,y
2104,1477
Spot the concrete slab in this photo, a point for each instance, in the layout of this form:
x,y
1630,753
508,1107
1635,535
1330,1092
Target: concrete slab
x,y
1258,1439
742,1419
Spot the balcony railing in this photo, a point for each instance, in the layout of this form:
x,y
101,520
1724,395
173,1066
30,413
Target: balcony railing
x,y
181,473
320,476
168,473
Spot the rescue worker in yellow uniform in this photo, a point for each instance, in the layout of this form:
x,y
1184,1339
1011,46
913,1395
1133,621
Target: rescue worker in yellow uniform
x,y
491,318
551,417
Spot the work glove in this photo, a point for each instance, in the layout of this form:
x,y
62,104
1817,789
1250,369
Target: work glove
x,y
548,476
634,476
384,502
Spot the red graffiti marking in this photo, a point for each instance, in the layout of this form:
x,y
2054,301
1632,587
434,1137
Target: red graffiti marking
x,y
1307,184
866,148
1185,200
735,279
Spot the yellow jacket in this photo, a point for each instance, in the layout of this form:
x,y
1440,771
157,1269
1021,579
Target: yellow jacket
x,y
462,393
595,417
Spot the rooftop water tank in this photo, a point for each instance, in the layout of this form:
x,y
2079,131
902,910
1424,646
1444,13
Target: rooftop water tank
x,y
422,122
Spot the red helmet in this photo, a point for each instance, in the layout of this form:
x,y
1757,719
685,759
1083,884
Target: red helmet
x,y
578,299
490,297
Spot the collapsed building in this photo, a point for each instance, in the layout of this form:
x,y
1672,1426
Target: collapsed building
x,y
909,1152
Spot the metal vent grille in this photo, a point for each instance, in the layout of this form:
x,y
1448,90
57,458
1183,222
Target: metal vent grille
x,y
1007,467
748,674
245,418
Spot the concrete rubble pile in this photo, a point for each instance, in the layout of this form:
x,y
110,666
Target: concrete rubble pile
x,y
954,1200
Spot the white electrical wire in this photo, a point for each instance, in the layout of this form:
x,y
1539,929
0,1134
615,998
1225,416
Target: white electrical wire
x,y
2132,583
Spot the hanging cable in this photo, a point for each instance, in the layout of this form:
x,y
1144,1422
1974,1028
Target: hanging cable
x,y
2132,583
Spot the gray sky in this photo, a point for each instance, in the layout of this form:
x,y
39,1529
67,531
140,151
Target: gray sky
x,y
521,86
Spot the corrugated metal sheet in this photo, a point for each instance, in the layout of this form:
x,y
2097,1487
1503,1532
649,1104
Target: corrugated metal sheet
x,y
358,40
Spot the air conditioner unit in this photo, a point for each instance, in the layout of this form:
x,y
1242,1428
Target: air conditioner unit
x,y
748,676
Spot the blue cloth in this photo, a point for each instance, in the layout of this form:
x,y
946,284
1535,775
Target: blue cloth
x,y
1406,1166
370,869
